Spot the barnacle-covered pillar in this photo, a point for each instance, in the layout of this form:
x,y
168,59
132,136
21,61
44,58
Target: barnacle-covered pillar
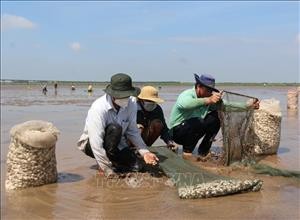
x,y
263,136
31,157
292,99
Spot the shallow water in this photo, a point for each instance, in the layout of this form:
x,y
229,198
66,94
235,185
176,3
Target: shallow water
x,y
81,194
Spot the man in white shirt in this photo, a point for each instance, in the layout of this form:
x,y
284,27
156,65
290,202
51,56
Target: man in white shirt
x,y
110,125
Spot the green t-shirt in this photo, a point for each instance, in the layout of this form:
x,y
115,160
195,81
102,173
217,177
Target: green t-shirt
x,y
188,105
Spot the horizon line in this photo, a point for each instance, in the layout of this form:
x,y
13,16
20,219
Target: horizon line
x,y
149,81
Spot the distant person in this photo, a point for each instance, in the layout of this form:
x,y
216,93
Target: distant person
x,y
150,118
90,88
195,115
55,86
73,87
44,89
110,125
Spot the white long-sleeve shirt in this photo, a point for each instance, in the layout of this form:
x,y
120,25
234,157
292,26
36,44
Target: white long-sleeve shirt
x,y
102,113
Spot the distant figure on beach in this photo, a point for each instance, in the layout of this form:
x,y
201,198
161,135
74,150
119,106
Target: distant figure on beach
x,y
110,125
195,115
45,89
150,118
55,86
73,87
90,88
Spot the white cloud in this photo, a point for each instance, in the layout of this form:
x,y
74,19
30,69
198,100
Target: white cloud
x,y
9,21
75,46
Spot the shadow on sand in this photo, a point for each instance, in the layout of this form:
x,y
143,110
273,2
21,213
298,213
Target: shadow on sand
x,y
68,177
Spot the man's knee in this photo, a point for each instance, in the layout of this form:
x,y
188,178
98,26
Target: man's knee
x,y
156,126
113,129
112,138
151,133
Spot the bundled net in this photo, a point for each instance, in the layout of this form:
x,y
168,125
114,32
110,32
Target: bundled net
x,y
248,133
31,157
272,171
193,182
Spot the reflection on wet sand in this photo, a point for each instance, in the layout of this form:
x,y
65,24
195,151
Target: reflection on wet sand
x,y
292,113
81,193
32,203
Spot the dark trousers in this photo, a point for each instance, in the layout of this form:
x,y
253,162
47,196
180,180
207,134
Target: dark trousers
x,y
124,160
191,130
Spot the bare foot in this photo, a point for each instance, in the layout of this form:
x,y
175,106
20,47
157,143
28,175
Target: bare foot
x,y
204,158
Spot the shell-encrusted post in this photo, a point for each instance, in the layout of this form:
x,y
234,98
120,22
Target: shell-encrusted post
x,y
31,157
292,99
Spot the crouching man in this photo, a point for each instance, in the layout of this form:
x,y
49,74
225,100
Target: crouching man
x,y
110,125
150,118
195,115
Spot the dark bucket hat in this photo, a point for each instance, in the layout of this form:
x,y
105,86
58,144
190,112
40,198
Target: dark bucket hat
x,y
207,81
121,86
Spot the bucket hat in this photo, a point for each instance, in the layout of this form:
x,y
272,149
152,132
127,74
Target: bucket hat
x,y
150,93
121,86
206,80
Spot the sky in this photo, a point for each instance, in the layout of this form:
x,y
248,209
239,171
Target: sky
x,y
234,41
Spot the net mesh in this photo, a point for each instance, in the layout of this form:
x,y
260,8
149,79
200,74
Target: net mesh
x,y
248,133
272,171
236,120
193,182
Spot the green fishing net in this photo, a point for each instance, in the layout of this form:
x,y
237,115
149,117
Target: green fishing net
x,y
272,171
236,120
249,133
193,182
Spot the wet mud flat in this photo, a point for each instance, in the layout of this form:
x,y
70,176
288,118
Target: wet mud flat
x,y
81,193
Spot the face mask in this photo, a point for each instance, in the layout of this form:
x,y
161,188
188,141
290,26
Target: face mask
x,y
149,106
122,102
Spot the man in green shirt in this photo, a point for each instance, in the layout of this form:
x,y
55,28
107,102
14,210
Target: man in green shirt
x,y
195,115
